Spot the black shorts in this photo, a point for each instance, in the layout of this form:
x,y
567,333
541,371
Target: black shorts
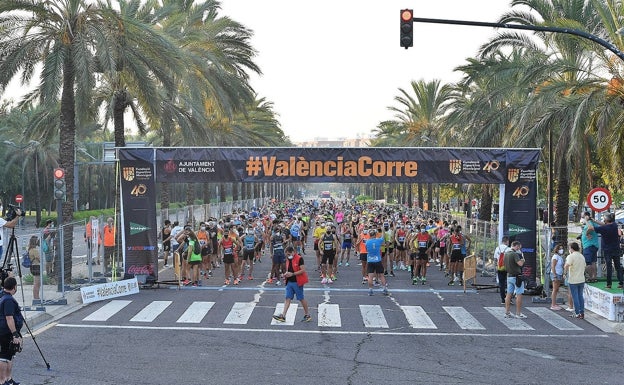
x,y
374,268
228,258
413,256
422,255
400,247
193,263
316,245
205,251
248,254
5,350
456,256
328,257
363,257
259,246
167,246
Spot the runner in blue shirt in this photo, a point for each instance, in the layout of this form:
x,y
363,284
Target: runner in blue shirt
x,y
374,263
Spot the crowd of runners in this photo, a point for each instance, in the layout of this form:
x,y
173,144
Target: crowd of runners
x,y
339,231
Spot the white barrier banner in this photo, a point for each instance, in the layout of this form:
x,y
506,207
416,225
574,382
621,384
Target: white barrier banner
x,y
109,290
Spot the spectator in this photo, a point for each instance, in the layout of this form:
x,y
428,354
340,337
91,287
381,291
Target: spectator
x,y
610,242
514,260
590,243
575,268
556,274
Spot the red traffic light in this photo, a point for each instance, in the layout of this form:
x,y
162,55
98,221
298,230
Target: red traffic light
x,y
407,15
59,173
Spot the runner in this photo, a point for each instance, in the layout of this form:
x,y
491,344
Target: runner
x,y
346,243
278,257
373,260
422,244
227,250
328,245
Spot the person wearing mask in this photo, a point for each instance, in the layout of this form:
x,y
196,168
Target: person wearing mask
x,y
374,265
194,257
296,277
556,274
328,245
514,260
590,243
11,322
421,248
501,273
575,270
610,242
227,247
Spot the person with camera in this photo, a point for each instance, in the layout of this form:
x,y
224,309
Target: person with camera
x,y
514,260
9,224
11,322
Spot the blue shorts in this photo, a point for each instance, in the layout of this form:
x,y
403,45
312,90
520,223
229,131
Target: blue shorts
x,y
346,245
591,254
511,286
557,277
293,289
279,257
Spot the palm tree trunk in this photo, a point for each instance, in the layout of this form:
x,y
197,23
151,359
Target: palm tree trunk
x,y
420,196
485,213
67,137
235,188
562,202
119,106
410,197
190,194
429,196
222,192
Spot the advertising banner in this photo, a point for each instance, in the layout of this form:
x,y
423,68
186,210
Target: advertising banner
x,y
138,207
343,165
142,168
520,213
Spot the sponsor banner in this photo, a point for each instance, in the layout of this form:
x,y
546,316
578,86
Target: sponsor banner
x,y
138,192
109,290
345,165
520,213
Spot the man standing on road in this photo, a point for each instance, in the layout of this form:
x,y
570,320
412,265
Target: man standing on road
x,y
501,273
11,321
374,267
610,242
575,268
296,277
514,260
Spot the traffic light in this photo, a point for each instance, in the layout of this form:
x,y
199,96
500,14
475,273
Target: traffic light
x,y
407,28
59,184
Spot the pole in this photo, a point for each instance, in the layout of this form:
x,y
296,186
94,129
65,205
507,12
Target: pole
x,y
569,31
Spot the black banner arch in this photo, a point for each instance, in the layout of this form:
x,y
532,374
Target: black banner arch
x,y
515,170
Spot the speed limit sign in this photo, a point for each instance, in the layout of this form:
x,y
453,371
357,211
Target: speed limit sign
x,y
599,199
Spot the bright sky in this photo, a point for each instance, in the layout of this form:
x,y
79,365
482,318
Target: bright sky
x,y
332,67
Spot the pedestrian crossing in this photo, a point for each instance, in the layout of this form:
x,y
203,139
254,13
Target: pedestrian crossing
x,y
333,316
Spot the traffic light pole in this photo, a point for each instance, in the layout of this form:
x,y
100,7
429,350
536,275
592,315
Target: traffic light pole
x,y
569,31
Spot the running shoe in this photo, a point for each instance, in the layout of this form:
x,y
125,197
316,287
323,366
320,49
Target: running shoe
x,y
306,318
186,282
347,264
556,307
521,315
364,280
249,277
279,318
333,277
451,283
392,274
226,282
236,281
414,280
329,280
269,280
324,281
385,291
508,315
278,282
423,280
339,263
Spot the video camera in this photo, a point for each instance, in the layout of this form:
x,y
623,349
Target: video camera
x,y
5,273
11,212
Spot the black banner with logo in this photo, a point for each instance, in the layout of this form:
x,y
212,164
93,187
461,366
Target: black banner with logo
x,y
520,212
141,168
138,207
343,165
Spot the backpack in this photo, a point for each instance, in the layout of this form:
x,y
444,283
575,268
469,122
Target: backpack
x,y
501,261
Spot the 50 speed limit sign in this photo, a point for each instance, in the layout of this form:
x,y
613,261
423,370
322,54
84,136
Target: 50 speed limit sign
x,y
599,199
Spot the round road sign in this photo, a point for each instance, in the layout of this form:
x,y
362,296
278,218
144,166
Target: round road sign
x,y
599,199
19,198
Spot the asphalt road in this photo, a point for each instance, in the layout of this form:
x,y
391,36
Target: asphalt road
x,y
213,334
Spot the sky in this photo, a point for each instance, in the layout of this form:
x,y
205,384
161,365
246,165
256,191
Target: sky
x,y
332,68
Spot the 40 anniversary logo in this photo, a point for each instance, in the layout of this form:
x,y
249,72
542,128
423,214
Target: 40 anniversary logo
x,y
521,192
138,190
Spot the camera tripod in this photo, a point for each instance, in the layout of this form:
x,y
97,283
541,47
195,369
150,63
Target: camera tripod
x,y
13,251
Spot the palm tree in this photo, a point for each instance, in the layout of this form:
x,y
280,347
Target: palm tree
x,y
554,110
420,119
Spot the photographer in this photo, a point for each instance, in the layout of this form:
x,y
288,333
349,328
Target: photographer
x,y
11,321
9,224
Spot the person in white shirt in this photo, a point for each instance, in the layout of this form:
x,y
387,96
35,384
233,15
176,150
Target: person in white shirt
x,y
501,274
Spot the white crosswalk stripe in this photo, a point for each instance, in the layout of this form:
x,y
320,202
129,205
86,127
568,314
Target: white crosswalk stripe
x,y
196,312
290,315
510,323
463,318
151,311
330,316
418,318
373,316
240,313
107,311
